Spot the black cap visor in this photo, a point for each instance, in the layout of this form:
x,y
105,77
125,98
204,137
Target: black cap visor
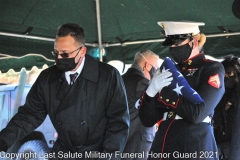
x,y
175,39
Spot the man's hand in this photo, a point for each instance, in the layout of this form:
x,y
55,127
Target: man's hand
x,y
3,146
159,81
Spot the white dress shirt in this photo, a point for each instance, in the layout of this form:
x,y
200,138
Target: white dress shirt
x,y
79,70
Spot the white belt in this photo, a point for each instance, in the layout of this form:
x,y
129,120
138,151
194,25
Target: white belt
x,y
206,120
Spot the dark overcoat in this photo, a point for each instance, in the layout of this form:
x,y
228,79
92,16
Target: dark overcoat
x,y
226,123
224,120
187,138
140,138
235,142
90,115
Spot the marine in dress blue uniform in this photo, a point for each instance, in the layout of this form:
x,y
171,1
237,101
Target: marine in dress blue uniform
x,y
186,131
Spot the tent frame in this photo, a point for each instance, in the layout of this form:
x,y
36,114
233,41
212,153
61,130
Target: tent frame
x,y
102,45
111,44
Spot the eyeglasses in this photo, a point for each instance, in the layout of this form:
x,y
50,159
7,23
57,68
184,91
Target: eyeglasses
x,y
64,55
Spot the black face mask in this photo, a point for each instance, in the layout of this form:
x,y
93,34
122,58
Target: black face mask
x,y
229,82
181,53
66,64
152,71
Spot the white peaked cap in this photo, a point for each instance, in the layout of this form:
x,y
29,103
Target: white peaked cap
x,y
181,27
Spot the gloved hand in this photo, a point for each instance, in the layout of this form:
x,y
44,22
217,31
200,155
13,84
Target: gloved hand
x,y
159,81
3,146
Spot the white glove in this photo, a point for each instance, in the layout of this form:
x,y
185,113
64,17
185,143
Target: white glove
x,y
159,81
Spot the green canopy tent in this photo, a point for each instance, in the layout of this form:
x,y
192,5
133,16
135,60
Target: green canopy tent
x,y
120,27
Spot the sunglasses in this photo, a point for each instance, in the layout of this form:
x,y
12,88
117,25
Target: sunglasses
x,y
64,55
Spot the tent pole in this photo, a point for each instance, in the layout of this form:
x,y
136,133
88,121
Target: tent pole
x,y
26,36
161,40
99,30
112,44
36,38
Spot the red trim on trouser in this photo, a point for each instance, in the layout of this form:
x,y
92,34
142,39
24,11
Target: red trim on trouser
x,y
165,137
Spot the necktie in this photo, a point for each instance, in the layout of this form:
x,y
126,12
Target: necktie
x,y
73,77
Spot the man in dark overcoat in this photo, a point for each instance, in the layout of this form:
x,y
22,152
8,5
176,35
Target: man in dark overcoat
x,y
136,80
85,99
186,131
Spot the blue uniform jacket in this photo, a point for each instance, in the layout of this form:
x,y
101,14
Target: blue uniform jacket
x,y
187,138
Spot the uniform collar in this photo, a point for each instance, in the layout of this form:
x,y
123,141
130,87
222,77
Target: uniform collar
x,y
194,59
191,62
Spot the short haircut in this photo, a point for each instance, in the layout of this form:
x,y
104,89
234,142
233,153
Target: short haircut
x,y
139,56
72,29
